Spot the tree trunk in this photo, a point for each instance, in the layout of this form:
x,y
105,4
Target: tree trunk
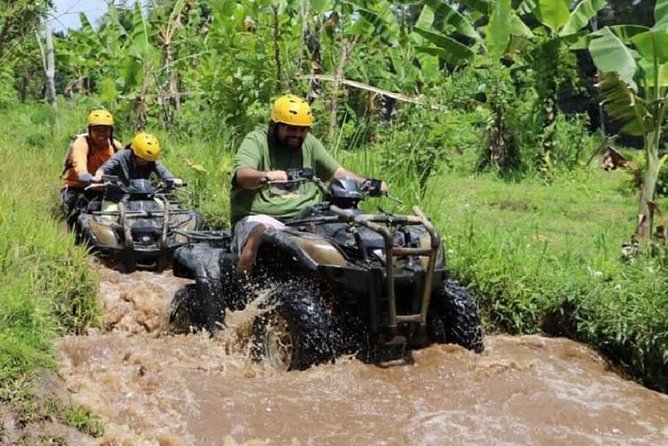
x,y
305,32
49,66
648,191
346,46
277,51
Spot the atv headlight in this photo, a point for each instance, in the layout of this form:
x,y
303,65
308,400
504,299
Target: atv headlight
x,y
380,254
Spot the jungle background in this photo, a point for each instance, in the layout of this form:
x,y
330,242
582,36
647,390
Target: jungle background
x,y
493,116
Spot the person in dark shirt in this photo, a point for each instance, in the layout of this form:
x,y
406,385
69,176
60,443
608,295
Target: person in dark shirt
x,y
138,161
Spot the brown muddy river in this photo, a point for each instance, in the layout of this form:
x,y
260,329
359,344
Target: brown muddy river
x,y
154,388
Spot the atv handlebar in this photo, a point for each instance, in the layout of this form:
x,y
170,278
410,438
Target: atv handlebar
x,y
298,176
114,181
371,187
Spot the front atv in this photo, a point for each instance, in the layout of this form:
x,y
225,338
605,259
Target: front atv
x,y
339,281
136,225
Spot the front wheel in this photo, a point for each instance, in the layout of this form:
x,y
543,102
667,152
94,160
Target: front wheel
x,y
294,332
181,314
454,317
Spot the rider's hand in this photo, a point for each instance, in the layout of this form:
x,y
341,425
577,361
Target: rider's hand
x,y
276,175
374,187
177,182
85,178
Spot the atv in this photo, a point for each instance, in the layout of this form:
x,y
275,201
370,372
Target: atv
x,y
135,225
339,280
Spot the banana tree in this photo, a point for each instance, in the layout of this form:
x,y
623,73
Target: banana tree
x,y
491,31
550,57
633,61
480,36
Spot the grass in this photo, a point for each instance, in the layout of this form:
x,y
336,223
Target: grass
x,y
547,258
47,288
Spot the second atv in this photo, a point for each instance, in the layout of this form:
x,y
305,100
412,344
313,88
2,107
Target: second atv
x,y
336,280
135,225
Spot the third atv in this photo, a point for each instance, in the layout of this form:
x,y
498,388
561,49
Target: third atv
x,y
338,279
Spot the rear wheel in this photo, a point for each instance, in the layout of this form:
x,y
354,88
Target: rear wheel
x,y
454,317
294,332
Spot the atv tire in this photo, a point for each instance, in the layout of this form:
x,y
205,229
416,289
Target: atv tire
x,y
454,318
294,332
180,315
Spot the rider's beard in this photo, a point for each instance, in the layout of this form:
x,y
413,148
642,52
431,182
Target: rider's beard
x,y
293,142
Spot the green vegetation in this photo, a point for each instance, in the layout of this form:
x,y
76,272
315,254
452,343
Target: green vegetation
x,y
48,288
547,258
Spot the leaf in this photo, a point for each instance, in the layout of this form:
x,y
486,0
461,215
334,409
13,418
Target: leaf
x,y
611,55
447,47
582,14
426,18
108,92
519,28
481,6
652,45
526,7
624,32
450,56
552,13
661,16
383,23
498,31
623,104
453,18
194,166
649,70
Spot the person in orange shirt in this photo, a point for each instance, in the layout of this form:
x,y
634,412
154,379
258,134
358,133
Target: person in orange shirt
x,y
87,152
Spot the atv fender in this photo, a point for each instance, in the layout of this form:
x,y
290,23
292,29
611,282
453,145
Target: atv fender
x,y
308,250
203,264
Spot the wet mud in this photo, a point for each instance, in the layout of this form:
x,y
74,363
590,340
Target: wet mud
x,y
151,387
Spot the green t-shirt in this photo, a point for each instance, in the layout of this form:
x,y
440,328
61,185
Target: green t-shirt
x,y
281,204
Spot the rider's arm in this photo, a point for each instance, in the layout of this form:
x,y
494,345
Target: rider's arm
x,y
248,173
113,166
162,171
345,173
79,156
166,175
249,178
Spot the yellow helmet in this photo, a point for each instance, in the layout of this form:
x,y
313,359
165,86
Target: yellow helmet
x,y
100,117
292,110
146,146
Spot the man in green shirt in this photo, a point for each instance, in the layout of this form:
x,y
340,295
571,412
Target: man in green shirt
x,y
263,157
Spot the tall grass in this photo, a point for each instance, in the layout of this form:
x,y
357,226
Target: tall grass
x,y
47,288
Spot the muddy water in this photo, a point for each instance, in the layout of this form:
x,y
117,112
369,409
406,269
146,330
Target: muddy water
x,y
153,388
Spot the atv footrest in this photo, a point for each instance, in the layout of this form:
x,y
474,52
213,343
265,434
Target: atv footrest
x,y
409,317
391,349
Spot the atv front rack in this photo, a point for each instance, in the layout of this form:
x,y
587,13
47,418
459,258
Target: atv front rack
x,y
380,224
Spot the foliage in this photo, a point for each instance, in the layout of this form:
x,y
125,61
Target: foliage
x,y
534,270
18,20
7,92
37,259
634,83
